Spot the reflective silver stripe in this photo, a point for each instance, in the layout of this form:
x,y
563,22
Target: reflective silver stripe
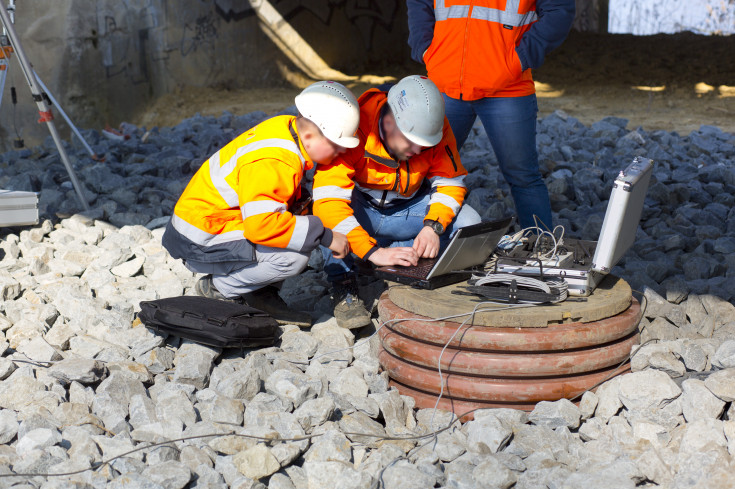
x,y
509,16
286,144
300,230
377,195
439,198
332,192
383,161
447,182
261,207
203,238
372,193
218,173
346,225
454,12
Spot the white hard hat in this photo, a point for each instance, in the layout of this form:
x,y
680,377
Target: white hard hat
x,y
333,108
418,108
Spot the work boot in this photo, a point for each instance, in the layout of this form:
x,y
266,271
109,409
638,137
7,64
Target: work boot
x,y
349,309
267,300
205,288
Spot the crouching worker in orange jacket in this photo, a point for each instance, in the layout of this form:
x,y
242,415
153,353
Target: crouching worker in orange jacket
x,y
398,195
236,221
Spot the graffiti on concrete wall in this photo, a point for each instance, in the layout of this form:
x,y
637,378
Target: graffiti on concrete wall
x,y
130,33
199,34
365,15
136,35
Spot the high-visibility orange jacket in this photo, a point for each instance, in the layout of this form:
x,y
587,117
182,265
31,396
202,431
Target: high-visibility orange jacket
x,y
384,180
241,197
486,48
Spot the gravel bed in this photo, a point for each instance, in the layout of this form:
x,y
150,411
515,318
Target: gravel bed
x,y
83,382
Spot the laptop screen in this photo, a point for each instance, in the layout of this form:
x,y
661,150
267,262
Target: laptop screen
x,y
471,246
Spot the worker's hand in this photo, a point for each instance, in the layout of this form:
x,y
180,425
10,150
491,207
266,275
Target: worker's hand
x,y
404,256
340,246
426,243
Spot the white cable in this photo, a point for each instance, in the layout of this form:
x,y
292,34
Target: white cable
x,y
446,345
529,282
428,320
471,318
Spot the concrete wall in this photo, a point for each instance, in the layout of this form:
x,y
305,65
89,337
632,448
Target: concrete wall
x,y
105,60
647,17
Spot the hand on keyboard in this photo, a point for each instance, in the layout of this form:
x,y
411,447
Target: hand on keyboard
x,y
403,256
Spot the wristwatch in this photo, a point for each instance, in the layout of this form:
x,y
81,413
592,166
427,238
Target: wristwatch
x,y
435,225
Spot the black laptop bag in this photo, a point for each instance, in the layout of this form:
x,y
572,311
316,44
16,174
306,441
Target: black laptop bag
x,y
209,321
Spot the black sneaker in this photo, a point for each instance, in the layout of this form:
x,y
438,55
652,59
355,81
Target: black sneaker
x,y
267,300
205,288
349,309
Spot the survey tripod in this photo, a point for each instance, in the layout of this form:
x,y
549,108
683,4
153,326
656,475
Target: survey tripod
x,y
9,43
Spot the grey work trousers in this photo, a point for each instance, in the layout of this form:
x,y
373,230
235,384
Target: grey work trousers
x,y
272,265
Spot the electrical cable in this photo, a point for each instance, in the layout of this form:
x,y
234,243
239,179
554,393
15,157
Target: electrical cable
x,y
14,101
379,480
559,288
432,435
509,242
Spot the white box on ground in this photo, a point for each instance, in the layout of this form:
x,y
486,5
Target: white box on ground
x,y
18,208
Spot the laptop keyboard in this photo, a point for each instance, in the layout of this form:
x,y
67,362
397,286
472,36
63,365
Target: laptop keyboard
x,y
420,271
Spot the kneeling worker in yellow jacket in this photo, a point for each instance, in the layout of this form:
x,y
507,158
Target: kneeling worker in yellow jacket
x,y
236,220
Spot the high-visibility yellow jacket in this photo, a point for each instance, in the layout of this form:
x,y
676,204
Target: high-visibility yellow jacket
x,y
241,197
385,181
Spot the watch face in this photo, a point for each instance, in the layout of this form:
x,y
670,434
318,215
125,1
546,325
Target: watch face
x,y
436,226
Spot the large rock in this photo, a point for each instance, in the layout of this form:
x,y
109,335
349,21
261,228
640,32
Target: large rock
x,y
698,402
256,462
82,370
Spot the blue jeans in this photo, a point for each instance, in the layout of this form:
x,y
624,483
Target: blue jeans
x,y
510,124
395,226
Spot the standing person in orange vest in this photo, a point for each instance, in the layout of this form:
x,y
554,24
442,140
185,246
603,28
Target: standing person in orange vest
x,y
238,219
480,54
398,194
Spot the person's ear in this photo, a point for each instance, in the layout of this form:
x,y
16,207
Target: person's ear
x,y
307,135
389,123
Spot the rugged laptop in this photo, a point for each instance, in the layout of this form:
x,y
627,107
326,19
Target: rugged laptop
x,y
469,247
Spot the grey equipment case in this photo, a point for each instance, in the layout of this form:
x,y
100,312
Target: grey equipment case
x,y
586,263
623,214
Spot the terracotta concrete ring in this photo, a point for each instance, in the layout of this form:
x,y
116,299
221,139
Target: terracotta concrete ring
x,y
564,336
459,407
494,389
505,363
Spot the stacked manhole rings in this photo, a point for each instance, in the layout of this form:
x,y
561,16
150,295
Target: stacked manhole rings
x,y
488,367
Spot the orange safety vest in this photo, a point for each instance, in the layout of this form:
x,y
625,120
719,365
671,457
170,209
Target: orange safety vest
x,y
472,54
241,196
384,180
